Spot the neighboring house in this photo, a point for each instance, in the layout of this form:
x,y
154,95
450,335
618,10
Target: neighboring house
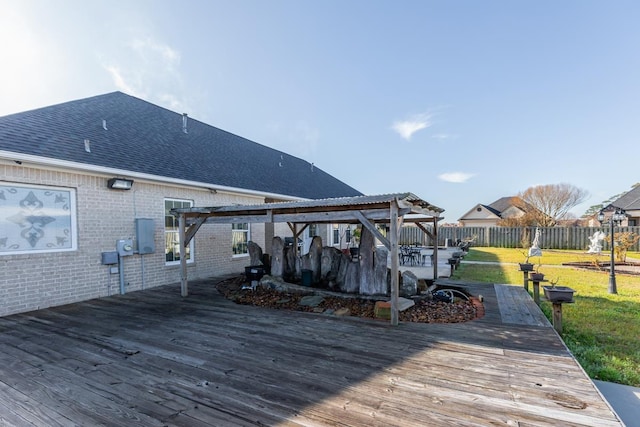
x,y
86,189
630,202
490,215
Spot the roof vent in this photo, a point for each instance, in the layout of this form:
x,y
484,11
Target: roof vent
x,y
184,122
87,145
104,125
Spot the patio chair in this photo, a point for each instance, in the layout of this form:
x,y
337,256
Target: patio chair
x,y
407,255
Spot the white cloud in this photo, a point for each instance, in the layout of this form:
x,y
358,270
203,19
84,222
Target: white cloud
x,y
456,177
406,128
119,80
152,72
149,46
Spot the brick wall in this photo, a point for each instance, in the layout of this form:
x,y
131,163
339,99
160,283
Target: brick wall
x,y
33,281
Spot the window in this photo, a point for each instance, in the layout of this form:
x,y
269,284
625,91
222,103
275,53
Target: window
x,y
336,234
313,230
240,238
172,232
347,236
37,219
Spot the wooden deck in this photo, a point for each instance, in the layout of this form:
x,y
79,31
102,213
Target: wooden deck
x,y
152,358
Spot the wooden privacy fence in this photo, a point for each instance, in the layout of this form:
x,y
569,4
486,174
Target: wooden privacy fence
x,y
576,238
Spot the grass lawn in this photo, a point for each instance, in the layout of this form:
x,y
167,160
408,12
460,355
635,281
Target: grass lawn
x,y
601,330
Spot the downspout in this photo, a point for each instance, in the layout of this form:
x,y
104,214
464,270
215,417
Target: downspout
x,y
121,271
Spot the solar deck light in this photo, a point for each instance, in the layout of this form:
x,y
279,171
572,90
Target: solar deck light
x,y
616,219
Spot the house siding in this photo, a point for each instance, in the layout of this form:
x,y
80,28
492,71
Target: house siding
x,y
479,218
38,280
479,223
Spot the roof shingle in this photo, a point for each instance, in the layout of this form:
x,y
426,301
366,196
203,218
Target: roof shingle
x,y
144,138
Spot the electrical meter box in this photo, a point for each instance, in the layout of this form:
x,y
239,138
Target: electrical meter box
x,y
109,258
124,247
145,230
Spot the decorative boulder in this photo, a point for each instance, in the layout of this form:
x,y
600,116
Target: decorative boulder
x,y
409,285
341,279
330,266
315,257
367,254
255,253
291,268
277,258
275,283
351,278
380,271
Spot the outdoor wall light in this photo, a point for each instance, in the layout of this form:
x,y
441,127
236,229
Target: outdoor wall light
x,y
616,219
120,184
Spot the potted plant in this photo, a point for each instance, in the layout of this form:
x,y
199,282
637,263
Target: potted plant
x,y
558,293
526,265
537,276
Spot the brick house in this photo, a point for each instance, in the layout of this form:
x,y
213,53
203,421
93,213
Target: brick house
x,y
630,202
490,215
89,182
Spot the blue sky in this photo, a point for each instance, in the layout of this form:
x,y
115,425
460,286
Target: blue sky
x,y
459,102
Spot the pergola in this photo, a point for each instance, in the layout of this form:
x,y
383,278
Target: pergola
x,y
392,209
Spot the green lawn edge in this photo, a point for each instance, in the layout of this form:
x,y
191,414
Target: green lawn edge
x,y
601,330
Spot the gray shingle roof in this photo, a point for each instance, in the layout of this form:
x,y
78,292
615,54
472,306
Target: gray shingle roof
x,y
629,200
145,138
502,204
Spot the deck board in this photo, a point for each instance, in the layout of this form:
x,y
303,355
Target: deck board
x,y
153,358
527,312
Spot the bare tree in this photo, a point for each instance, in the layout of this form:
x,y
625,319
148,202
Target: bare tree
x,y
526,220
551,202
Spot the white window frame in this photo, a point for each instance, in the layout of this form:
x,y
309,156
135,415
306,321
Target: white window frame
x,y
176,232
335,235
37,219
248,238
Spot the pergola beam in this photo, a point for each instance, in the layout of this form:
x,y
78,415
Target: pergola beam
x,y
341,217
193,229
369,225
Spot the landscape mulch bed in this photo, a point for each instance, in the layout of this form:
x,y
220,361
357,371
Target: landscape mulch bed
x,y
425,311
631,268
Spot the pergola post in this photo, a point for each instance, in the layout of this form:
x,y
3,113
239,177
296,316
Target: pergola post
x,y
393,241
184,290
434,238
435,249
